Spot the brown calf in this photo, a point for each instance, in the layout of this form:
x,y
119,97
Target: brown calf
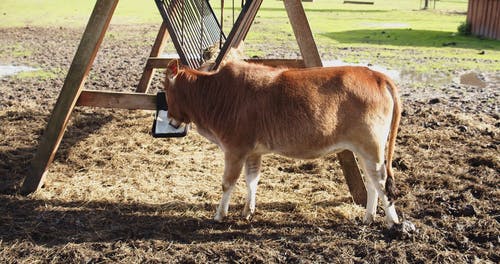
x,y
249,110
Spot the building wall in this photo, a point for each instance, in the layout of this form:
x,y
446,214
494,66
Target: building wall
x,y
484,18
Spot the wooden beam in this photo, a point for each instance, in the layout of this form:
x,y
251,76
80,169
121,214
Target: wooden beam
x,y
353,177
156,50
311,58
158,63
359,2
246,26
109,99
303,33
289,63
161,63
78,71
238,32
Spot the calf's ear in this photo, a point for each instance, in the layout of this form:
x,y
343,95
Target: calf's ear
x,y
172,69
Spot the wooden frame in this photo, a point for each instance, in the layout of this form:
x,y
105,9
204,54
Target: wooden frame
x,y
73,84
72,92
156,51
359,2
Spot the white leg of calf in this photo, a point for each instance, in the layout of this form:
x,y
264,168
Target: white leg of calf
x,y
223,207
371,202
252,167
232,170
391,217
371,191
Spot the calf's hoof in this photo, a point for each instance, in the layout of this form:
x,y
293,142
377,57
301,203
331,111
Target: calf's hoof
x,y
219,217
368,219
390,222
391,217
247,213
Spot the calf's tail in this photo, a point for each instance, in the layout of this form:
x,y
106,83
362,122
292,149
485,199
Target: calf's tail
x,y
390,187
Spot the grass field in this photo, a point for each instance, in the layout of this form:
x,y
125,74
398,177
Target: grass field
x,y
398,25
75,13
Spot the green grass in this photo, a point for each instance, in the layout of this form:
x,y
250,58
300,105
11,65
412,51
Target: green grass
x,y
398,30
19,13
38,74
19,51
407,25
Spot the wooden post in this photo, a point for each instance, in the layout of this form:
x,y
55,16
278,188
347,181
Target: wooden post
x,y
353,177
426,4
303,34
157,49
78,71
311,57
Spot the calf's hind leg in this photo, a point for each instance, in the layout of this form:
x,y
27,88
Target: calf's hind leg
x,y
371,195
375,179
232,170
252,174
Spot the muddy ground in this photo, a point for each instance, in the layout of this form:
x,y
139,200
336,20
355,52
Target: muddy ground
x,y
115,194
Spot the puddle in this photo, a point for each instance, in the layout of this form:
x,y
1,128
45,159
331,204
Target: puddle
x,y
394,74
472,79
436,78
6,70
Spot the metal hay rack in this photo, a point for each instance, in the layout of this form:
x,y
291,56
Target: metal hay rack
x,y
194,28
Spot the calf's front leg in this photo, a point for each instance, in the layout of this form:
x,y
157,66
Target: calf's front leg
x,y
252,171
232,170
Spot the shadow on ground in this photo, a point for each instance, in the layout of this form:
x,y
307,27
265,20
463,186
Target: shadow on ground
x,y
411,38
55,222
327,10
15,159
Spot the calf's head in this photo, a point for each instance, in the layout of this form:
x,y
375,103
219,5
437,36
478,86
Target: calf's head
x,y
173,91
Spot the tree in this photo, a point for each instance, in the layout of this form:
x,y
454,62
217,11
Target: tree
x,y
426,4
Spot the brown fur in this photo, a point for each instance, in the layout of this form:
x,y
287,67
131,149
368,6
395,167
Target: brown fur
x,y
250,110
390,187
239,104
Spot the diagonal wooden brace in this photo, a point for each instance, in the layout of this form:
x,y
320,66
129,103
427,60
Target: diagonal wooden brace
x,y
78,71
156,51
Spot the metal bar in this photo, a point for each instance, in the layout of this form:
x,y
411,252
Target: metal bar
x,y
164,11
189,31
216,31
199,37
210,22
194,35
239,30
202,27
193,48
189,47
248,23
193,27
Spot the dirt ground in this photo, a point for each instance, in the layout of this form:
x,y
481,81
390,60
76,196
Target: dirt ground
x,y
115,194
